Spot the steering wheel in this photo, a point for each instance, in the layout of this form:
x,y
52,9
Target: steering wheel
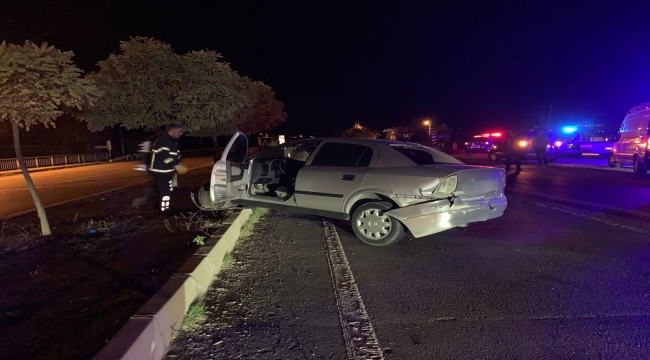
x,y
283,165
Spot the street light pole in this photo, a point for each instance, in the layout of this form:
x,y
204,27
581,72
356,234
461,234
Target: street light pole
x,y
428,123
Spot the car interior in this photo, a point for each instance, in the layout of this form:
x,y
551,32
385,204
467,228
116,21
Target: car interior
x,y
274,172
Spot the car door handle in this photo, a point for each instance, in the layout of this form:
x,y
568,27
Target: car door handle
x,y
347,177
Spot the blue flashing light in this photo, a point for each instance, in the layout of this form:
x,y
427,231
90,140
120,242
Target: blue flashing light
x,y
569,129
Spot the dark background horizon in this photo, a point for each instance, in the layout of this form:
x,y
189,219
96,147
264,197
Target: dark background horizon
x,y
473,65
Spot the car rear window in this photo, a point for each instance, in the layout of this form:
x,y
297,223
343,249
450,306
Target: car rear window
x,y
417,156
423,155
344,155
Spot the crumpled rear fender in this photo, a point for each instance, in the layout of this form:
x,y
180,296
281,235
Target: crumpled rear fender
x,y
432,217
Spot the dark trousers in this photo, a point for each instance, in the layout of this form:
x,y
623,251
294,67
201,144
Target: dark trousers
x,y
540,152
510,158
164,186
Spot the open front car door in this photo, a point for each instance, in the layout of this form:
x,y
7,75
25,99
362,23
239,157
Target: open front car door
x,y
229,176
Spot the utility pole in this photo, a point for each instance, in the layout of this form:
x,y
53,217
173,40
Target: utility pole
x,y
548,120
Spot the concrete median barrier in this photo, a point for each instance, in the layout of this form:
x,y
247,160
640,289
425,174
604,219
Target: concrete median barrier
x,y
149,332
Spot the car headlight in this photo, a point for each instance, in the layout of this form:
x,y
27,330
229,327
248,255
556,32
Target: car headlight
x,y
523,143
446,187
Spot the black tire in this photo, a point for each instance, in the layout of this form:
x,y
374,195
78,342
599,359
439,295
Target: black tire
x,y
639,166
371,216
493,157
206,203
612,161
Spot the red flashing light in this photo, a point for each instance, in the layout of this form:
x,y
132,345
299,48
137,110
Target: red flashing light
x,y
497,134
486,135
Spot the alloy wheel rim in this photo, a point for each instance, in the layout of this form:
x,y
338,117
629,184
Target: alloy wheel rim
x,y
374,224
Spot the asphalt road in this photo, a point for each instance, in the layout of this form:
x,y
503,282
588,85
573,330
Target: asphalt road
x,y
63,185
562,275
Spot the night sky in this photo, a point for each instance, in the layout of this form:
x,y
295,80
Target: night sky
x,y
475,65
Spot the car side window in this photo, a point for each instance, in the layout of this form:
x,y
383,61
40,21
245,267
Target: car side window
x,y
238,151
298,151
343,155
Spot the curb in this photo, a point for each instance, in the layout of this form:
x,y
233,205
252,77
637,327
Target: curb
x,y
148,333
595,167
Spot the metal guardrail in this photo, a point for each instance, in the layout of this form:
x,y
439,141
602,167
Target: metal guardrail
x,y
62,160
55,160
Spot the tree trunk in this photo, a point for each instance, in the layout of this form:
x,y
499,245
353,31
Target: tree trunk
x,y
45,225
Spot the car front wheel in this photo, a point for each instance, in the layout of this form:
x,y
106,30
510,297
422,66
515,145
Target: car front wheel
x,y
374,227
493,157
612,161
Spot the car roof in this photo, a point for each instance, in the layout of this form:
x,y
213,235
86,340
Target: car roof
x,y
359,141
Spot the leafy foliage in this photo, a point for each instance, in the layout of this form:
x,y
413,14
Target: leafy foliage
x,y
360,133
148,85
265,113
37,83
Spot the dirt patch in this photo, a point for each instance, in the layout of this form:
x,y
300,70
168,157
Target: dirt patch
x,y
66,295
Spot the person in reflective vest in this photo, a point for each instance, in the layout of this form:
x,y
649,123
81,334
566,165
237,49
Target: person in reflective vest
x,y
165,163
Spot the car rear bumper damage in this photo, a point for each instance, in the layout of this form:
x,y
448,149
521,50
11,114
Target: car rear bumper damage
x,y
431,217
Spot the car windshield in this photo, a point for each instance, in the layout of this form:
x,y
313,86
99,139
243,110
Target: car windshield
x,y
422,155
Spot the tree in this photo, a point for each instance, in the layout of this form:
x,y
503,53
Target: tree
x,y
360,132
37,83
148,85
265,113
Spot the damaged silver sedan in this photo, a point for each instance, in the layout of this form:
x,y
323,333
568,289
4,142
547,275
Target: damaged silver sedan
x,y
386,189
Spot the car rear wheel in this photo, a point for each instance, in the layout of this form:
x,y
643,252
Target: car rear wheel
x,y
374,227
493,157
639,167
612,161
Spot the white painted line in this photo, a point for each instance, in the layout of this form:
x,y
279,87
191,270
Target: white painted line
x,y
577,202
360,339
593,218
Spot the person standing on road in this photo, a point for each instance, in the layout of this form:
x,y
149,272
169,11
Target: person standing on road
x,y
540,142
165,163
514,150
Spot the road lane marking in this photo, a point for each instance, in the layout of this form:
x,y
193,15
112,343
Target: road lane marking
x,y
90,195
577,202
593,218
358,332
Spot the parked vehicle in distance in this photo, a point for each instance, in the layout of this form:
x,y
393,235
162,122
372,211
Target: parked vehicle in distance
x,y
481,144
498,151
633,140
384,188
